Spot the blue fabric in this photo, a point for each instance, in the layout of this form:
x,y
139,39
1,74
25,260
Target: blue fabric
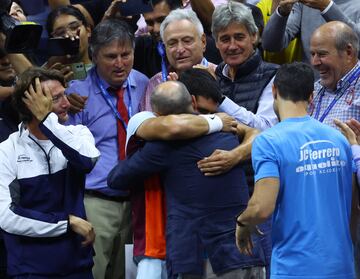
x,y
201,210
149,268
311,237
80,275
99,118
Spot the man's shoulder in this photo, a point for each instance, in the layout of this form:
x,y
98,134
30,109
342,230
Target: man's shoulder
x,y
270,66
156,79
83,87
138,76
135,122
10,141
9,147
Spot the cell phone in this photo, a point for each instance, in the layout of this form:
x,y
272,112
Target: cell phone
x,y
62,46
134,7
79,70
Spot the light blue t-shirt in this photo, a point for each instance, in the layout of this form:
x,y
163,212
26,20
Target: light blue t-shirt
x,y
311,234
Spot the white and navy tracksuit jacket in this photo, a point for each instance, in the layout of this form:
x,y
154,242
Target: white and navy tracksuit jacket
x,y
41,183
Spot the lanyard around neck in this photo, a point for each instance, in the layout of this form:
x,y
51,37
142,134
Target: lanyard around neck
x,y
110,103
161,50
338,95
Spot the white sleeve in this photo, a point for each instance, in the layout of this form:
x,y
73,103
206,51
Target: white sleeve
x,y
76,142
134,123
265,116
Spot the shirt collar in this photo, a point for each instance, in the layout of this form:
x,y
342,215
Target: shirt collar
x,y
130,80
341,82
225,71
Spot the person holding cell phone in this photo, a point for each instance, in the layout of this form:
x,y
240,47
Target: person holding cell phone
x,y
64,23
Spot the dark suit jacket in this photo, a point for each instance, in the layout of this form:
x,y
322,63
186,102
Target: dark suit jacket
x,y
200,209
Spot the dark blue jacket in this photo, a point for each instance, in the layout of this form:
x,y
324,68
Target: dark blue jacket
x,y
200,210
42,183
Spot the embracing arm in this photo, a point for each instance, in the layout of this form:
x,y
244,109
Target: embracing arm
x,y
151,159
184,126
221,161
265,116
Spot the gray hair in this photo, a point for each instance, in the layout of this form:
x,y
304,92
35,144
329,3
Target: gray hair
x,y
171,97
345,36
232,12
180,14
108,31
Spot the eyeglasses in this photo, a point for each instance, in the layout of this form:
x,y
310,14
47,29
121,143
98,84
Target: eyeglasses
x,y
72,27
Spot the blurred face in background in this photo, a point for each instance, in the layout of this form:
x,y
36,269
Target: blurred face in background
x,y
7,72
17,12
155,18
68,25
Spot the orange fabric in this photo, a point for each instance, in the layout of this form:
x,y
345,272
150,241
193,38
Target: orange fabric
x,y
155,218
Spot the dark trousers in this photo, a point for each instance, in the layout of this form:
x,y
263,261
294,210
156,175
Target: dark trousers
x,y
2,258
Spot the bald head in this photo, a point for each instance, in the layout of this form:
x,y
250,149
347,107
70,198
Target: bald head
x,y
334,50
171,97
340,34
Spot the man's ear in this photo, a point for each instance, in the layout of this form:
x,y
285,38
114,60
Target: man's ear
x,y
311,97
193,102
88,31
203,40
274,91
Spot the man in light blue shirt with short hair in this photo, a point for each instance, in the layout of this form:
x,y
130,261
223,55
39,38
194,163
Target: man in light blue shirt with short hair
x,y
303,175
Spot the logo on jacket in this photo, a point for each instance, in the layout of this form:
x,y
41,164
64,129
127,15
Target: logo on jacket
x,y
23,158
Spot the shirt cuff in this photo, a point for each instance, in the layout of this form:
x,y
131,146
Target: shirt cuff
x,y
356,152
226,105
327,8
278,13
